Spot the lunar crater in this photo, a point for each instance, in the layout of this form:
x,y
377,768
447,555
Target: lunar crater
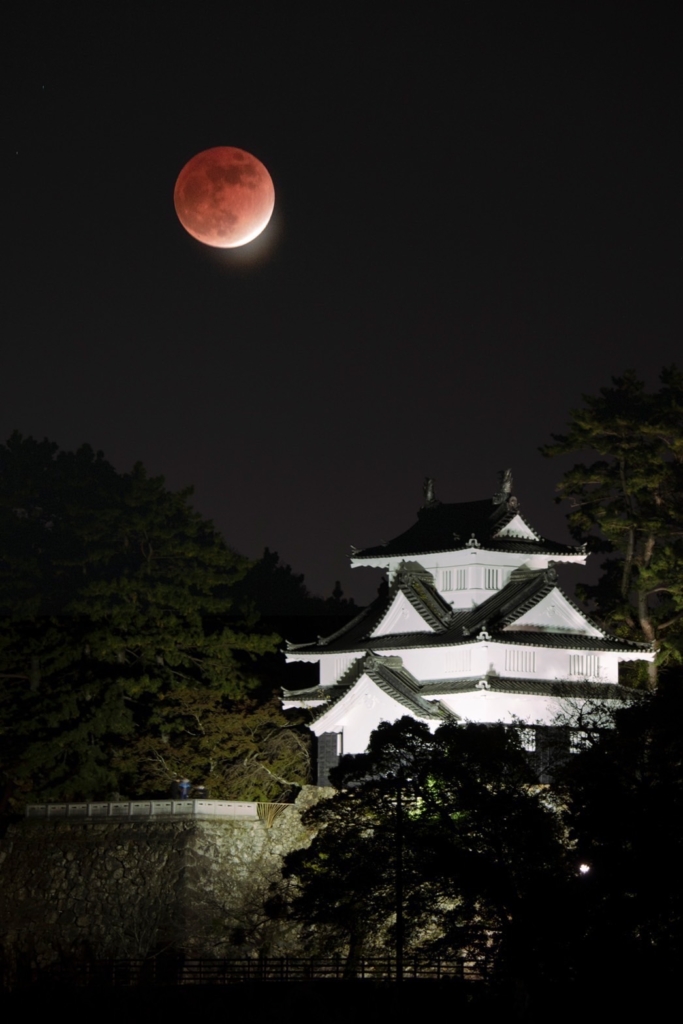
x,y
224,197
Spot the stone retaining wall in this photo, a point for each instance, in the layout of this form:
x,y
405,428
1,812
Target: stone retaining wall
x,y
128,888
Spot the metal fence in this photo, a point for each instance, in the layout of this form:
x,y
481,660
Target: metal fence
x,y
182,971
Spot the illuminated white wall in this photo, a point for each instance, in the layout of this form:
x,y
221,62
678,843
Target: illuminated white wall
x,y
475,561
478,658
359,713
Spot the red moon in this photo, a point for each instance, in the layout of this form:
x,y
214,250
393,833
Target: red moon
x,y
224,197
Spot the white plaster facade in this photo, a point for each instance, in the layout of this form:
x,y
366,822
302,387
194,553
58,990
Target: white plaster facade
x,y
473,625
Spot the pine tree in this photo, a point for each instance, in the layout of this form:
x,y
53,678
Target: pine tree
x,y
629,504
115,598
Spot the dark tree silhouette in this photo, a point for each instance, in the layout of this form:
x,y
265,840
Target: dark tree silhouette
x,y
451,825
629,503
625,797
117,626
273,589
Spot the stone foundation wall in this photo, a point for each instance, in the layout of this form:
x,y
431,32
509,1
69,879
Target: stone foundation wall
x,y
130,888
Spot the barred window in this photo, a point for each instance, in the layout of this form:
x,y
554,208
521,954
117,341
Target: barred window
x,y
491,579
446,580
461,660
517,659
461,579
584,665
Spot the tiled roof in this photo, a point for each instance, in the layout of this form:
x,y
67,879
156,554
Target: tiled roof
x,y
449,527
417,585
455,628
522,592
403,687
391,677
325,693
581,689
568,641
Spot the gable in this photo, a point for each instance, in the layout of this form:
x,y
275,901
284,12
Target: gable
x,y
401,617
553,614
518,528
359,712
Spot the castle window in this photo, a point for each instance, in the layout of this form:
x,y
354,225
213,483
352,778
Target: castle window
x,y
491,579
461,579
585,666
460,660
517,659
447,579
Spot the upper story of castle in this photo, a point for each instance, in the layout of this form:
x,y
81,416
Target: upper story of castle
x,y
472,602
470,548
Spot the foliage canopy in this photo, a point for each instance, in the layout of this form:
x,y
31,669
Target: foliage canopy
x,y
624,799
459,815
629,503
118,631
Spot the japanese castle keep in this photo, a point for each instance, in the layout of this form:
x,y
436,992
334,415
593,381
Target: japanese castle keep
x,y
471,625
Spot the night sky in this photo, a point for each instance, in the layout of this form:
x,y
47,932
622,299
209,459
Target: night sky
x,y
478,219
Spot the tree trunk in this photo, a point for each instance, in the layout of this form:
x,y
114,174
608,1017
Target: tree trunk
x,y
630,545
353,958
644,617
628,563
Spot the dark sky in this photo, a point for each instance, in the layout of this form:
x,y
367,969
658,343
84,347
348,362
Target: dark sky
x,y
478,219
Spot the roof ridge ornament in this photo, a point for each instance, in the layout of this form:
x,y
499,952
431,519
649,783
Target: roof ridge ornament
x,y
431,501
291,646
373,660
524,572
473,542
505,487
412,572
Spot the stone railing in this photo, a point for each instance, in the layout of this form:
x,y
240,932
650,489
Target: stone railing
x,y
221,809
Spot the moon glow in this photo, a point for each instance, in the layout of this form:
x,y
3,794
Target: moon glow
x,y
224,197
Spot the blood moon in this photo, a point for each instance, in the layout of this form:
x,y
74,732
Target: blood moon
x,y
224,197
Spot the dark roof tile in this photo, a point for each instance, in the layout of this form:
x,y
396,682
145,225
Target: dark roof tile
x,y
391,677
455,628
449,527
581,689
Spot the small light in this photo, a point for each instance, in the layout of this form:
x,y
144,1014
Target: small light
x,y
584,869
